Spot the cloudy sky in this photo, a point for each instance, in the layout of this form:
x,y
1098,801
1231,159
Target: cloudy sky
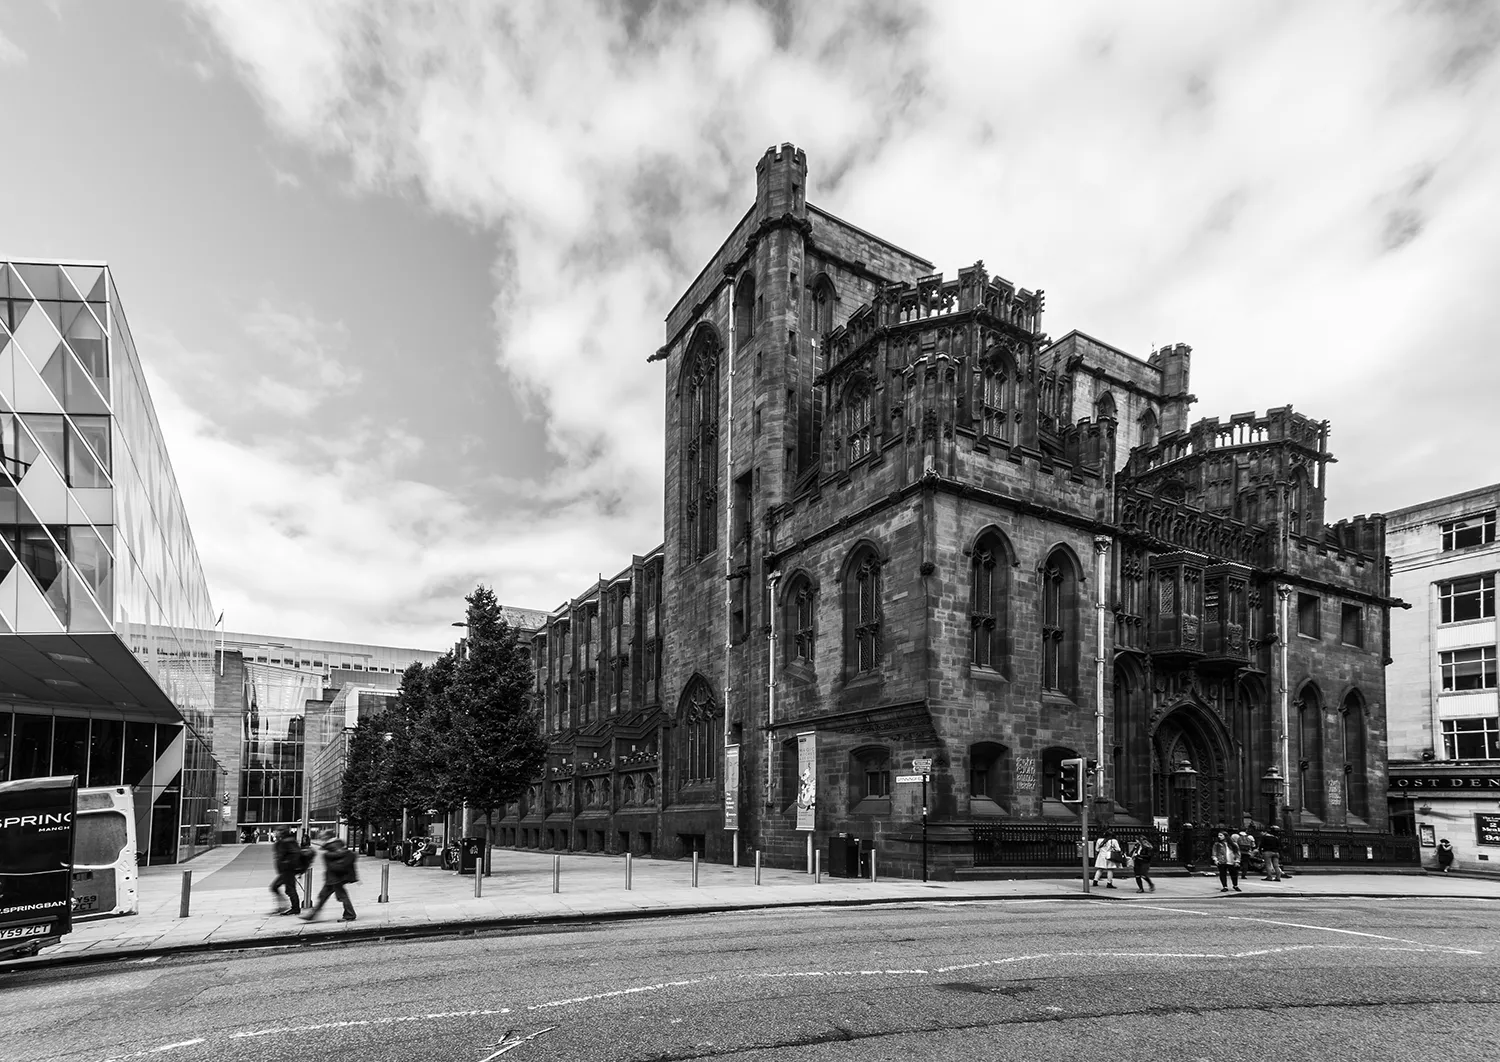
x,y
395,268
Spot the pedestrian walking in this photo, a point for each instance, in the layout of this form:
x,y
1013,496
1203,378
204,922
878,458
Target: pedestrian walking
x,y
1226,856
1141,854
1185,847
338,874
1445,855
1249,853
1106,858
290,861
1270,846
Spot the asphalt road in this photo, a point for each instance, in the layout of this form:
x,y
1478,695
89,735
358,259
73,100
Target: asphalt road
x,y
1237,977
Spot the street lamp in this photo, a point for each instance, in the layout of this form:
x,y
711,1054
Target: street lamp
x,y
1185,784
1271,785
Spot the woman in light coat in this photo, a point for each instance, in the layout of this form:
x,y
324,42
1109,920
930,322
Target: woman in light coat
x,y
1227,856
1105,858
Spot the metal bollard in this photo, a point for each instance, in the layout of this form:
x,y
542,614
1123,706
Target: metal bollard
x,y
478,883
757,866
307,890
556,873
627,871
817,868
487,850
187,893
385,884
872,866
695,868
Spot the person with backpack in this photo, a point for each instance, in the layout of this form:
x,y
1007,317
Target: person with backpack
x,y
1226,856
1141,854
1270,846
1106,857
338,874
289,862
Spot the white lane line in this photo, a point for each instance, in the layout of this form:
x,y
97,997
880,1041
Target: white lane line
x,y
1299,925
618,992
155,1050
360,1023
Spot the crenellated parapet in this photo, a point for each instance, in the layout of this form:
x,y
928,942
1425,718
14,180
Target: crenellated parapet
x,y
1242,431
1175,523
973,295
1358,534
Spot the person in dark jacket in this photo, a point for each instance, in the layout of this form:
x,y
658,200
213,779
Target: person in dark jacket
x,y
1270,846
1141,854
1445,855
289,863
1185,847
338,873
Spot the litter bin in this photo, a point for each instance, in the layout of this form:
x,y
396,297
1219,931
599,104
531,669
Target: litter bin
x,y
470,854
843,857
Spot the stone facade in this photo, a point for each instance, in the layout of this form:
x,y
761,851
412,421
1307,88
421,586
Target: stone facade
x,y
901,519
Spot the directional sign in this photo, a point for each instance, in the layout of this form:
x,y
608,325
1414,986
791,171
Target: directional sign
x,y
910,777
922,764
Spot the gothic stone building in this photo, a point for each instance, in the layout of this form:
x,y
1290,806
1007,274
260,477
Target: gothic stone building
x,y
901,522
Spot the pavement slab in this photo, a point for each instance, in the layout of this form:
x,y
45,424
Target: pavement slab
x,y
230,906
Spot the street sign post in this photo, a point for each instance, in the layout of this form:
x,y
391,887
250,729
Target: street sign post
x,y
922,765
900,778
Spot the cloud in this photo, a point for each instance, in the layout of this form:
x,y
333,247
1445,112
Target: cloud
x,y
11,53
285,178
1301,192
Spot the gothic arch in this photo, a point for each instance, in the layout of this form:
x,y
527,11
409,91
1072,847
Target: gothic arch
x,y
824,298
1060,612
1309,781
991,558
699,729
863,590
1354,723
1190,731
1104,406
1131,703
698,401
744,309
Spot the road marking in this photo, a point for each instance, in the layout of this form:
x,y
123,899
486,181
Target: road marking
x,y
359,1023
618,992
1297,925
507,1044
155,1050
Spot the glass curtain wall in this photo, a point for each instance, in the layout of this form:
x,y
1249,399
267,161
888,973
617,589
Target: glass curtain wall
x,y
273,735
173,774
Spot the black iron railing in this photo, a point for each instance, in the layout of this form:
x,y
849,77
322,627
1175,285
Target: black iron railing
x,y
1026,844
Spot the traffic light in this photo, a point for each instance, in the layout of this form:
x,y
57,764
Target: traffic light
x,y
1070,782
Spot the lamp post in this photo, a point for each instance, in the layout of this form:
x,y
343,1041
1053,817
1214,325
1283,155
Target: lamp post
x,y
1271,785
1185,784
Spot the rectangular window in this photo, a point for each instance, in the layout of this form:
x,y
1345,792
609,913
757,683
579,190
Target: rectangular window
x,y
1470,531
877,783
1307,615
1467,599
742,508
1471,739
1468,669
1352,625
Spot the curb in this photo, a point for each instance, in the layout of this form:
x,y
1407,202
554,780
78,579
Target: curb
x,y
485,925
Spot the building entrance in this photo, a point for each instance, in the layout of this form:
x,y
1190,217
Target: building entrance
x,y
1191,734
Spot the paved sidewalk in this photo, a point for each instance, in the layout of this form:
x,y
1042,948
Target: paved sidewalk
x,y
231,906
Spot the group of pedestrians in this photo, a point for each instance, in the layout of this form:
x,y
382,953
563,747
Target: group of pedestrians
x,y
1235,855
294,858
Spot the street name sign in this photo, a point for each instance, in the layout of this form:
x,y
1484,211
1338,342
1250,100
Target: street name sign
x,y
909,777
922,764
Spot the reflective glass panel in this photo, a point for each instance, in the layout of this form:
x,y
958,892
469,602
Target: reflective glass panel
x,y
106,743
31,748
47,430
70,747
140,752
5,718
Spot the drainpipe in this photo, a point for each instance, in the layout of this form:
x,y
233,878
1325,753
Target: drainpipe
x,y
772,579
728,534
1283,617
1102,546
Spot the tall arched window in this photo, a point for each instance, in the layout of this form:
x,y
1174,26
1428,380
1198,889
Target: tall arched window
x,y
744,309
989,592
801,620
1356,777
700,450
1059,614
859,418
1105,407
862,611
1310,751
824,298
698,723
1148,428
997,396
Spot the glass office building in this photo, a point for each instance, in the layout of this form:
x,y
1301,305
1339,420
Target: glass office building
x,y
106,644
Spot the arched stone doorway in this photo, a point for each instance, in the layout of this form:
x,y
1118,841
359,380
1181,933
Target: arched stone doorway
x,y
1191,732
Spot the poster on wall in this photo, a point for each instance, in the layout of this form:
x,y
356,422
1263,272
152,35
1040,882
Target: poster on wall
x,y
1429,835
807,781
1487,829
731,787
1025,774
